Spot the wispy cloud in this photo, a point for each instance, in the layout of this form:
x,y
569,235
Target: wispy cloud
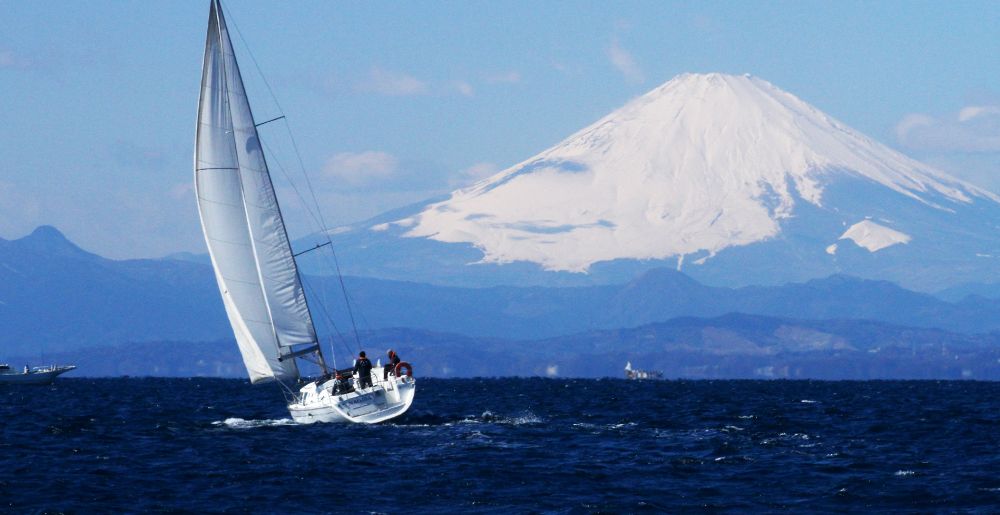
x,y
624,62
566,68
361,168
10,60
128,154
464,88
508,77
392,83
181,191
972,129
19,210
473,174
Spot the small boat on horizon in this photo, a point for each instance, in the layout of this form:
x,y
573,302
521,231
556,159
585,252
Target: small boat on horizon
x,y
631,373
32,375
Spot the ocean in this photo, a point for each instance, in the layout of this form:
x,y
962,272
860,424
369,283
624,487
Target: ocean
x,y
506,445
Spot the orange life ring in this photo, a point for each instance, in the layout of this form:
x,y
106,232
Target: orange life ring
x,y
409,368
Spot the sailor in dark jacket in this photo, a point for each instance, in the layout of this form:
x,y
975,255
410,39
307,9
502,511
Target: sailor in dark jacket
x,y
363,368
390,368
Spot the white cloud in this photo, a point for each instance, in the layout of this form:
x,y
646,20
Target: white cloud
x,y
347,207
973,129
971,112
8,59
473,174
391,83
360,168
965,144
464,88
181,191
623,61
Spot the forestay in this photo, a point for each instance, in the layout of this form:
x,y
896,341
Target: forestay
x,y
242,222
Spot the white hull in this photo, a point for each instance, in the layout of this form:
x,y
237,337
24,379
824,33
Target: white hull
x,y
385,400
43,375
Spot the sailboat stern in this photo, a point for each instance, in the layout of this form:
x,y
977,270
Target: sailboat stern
x,y
384,401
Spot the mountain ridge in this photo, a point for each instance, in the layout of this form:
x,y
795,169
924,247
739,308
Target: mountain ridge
x,y
723,347
55,302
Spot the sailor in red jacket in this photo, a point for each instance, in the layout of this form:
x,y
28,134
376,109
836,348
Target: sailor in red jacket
x,y
391,366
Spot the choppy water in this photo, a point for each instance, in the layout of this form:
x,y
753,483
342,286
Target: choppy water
x,y
563,446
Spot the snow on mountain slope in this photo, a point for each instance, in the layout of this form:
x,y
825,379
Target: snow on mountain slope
x,y
699,164
871,236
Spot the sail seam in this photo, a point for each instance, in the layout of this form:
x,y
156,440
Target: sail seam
x,y
218,202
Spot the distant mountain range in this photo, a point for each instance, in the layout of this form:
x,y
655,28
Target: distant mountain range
x,y
732,346
55,297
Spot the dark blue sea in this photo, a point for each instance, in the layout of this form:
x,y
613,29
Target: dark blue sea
x,y
506,445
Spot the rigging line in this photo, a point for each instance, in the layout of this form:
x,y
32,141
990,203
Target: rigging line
x,y
364,320
327,319
256,65
287,388
312,191
325,298
291,182
347,299
269,121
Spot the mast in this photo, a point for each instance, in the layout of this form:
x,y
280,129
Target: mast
x,y
244,229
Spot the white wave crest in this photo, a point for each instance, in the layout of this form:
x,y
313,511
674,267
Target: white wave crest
x,y
239,423
489,418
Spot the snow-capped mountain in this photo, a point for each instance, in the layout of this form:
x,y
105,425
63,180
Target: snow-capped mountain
x,y
731,179
700,164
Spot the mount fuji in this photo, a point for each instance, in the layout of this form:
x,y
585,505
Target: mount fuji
x,y
728,178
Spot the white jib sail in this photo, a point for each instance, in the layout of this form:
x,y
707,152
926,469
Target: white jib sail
x,y
241,220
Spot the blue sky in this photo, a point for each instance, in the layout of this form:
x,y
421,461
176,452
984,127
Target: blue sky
x,y
392,103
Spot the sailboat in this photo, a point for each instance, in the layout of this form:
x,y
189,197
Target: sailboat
x,y
254,264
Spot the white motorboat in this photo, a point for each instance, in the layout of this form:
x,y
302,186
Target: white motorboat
x,y
254,264
32,375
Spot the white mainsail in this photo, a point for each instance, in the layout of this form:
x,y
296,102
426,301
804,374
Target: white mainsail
x,y
245,233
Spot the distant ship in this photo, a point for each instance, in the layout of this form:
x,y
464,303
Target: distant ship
x,y
36,375
631,373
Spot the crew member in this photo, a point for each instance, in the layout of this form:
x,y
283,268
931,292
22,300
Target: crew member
x,y
390,368
363,368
